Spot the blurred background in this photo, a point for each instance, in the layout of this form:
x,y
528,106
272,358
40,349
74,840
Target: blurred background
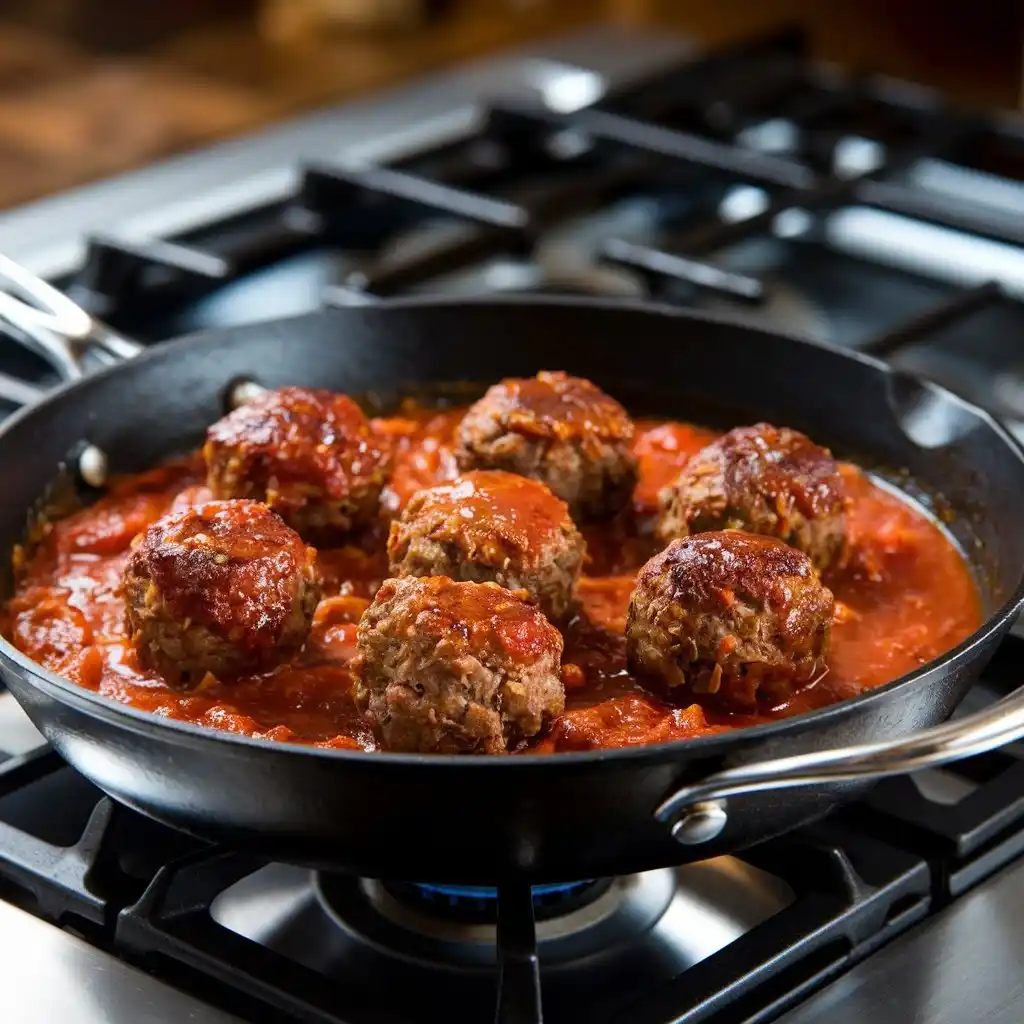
x,y
92,87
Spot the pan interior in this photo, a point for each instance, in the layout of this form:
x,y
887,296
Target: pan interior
x,y
941,452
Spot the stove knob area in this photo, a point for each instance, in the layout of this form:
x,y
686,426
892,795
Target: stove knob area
x,y
701,823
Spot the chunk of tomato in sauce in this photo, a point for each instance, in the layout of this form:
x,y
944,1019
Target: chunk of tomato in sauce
x,y
625,721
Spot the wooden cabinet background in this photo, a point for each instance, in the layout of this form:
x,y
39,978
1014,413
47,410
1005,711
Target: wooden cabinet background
x,y
92,87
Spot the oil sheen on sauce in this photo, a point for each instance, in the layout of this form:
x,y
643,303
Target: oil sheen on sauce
x,y
904,597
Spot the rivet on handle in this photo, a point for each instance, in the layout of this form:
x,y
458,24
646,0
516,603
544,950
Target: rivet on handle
x,y
701,823
244,391
93,466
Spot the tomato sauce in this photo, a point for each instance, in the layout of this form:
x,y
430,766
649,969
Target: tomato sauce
x,y
904,597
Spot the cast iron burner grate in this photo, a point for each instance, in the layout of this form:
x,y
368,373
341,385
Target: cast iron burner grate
x,y
826,898
709,186
751,181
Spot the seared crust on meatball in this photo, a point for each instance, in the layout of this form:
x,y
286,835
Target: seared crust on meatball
x,y
456,668
310,455
225,588
730,614
561,430
762,479
490,525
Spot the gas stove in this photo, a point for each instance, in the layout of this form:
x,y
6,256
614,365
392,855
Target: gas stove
x,y
863,212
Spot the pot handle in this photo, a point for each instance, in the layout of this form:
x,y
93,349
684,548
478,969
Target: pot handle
x,y
54,327
699,812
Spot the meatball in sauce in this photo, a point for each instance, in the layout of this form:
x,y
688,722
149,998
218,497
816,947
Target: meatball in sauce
x,y
762,479
730,615
223,589
492,526
457,668
561,430
310,455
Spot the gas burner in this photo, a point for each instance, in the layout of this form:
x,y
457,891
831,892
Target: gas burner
x,y
456,925
479,904
610,939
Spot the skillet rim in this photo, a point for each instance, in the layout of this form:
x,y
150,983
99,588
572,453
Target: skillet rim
x,y
140,722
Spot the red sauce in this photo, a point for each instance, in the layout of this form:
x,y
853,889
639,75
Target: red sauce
x,y
904,597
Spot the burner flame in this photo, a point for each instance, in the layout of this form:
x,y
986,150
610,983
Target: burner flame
x,y
456,894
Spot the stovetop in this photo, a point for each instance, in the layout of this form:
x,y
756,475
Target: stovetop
x,y
860,212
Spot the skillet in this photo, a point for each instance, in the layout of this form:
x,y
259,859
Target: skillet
x,y
567,816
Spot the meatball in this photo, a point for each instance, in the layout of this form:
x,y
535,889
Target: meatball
x,y
561,430
490,525
762,479
310,455
730,614
225,588
456,668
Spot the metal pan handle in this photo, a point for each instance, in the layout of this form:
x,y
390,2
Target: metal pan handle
x,y
699,812
53,326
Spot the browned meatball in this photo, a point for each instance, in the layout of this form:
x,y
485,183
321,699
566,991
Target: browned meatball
x,y
561,430
310,455
225,588
762,479
742,617
456,668
490,525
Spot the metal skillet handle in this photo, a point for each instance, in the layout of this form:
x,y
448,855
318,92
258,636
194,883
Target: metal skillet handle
x,y
53,326
699,812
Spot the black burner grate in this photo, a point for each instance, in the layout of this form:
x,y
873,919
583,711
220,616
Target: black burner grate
x,y
852,894
696,131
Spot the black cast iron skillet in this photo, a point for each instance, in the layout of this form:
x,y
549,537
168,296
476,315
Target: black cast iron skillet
x,y
564,816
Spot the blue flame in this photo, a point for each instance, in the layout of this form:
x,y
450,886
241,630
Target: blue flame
x,y
455,894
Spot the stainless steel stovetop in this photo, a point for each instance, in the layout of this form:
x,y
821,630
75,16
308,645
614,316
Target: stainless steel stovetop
x,y
863,213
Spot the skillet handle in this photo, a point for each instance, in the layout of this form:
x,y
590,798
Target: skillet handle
x,y
699,812
53,326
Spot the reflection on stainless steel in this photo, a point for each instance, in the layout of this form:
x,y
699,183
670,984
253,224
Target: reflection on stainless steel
x,y
937,252
943,786
784,309
854,156
777,135
961,967
952,180
640,930
17,734
562,87
509,275
52,324
48,976
966,736
1008,389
